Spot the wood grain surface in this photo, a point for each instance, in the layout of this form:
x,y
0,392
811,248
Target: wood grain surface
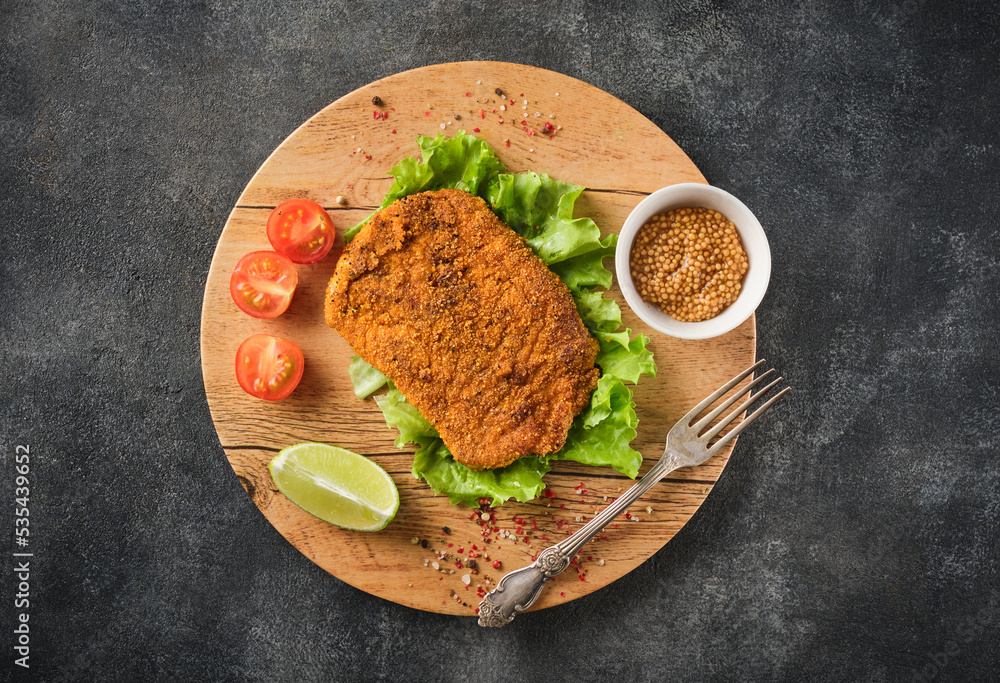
x,y
602,144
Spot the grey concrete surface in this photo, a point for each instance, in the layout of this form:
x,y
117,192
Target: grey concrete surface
x,y
853,537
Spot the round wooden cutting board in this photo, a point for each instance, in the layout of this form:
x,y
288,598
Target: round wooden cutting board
x,y
345,150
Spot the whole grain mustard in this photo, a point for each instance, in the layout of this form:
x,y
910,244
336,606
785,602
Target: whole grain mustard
x,y
690,263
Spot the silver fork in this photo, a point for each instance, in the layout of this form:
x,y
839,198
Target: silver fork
x,y
687,446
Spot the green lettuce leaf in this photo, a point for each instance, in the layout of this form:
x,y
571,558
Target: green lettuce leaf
x,y
587,270
540,209
600,401
601,434
624,358
598,314
463,162
365,378
400,414
521,480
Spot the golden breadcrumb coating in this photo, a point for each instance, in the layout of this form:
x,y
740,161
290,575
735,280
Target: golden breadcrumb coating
x,y
479,335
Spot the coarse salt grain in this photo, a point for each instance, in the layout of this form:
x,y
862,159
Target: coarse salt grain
x,y
466,579
442,126
435,565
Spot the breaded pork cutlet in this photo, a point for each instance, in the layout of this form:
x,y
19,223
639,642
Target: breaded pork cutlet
x,y
481,337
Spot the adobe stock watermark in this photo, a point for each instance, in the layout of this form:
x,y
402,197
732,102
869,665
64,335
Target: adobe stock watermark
x,y
963,633
22,557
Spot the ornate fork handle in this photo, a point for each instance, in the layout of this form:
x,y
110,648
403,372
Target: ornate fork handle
x,y
518,590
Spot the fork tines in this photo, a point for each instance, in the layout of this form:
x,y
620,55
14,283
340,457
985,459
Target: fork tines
x,y
705,421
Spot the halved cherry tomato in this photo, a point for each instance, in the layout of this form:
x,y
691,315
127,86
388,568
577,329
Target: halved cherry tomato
x,y
263,283
301,230
269,367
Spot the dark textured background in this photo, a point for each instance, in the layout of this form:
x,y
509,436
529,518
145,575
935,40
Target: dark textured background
x,y
854,535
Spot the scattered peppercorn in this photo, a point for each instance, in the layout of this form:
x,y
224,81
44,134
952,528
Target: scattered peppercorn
x,y
446,530
424,543
473,564
458,117
377,101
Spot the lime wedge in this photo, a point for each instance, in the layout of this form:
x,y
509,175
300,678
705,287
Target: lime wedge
x,y
336,485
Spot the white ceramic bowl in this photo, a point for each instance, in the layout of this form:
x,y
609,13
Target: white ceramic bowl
x,y
696,195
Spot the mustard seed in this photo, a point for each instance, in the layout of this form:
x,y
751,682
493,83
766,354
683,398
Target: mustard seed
x,y
692,263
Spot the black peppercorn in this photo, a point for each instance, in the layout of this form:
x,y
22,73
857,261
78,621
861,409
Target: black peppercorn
x,y
446,530
473,565
424,543
377,101
499,92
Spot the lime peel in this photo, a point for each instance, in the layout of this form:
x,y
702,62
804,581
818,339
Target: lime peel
x,y
337,485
